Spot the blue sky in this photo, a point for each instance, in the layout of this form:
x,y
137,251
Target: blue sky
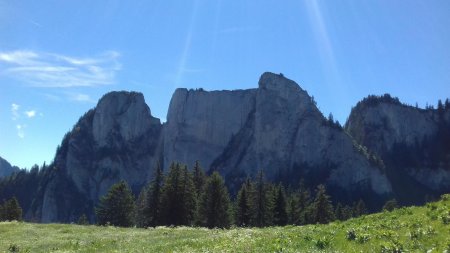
x,y
57,58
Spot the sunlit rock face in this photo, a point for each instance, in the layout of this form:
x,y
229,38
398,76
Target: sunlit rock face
x,y
200,123
414,144
275,127
286,136
117,140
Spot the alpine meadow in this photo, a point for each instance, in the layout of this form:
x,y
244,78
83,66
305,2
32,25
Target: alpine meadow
x,y
225,126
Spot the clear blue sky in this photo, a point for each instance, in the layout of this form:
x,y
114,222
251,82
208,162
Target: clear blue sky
x,y
57,58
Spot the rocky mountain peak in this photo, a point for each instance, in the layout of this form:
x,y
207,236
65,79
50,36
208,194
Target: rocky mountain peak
x,y
124,113
279,83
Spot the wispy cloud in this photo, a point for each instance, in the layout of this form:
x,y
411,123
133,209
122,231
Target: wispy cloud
x,y
80,97
15,111
30,114
20,131
60,71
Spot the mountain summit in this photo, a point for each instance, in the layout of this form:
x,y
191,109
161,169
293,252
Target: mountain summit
x,y
275,127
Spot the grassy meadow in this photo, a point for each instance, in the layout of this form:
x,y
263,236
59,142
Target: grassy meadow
x,y
412,229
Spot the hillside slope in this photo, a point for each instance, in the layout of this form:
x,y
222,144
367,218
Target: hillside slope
x,y
413,229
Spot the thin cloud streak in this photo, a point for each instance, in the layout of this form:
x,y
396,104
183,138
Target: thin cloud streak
x,y
186,49
60,71
321,33
80,97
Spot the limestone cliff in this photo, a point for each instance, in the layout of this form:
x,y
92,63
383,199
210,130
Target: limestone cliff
x,y
414,144
118,139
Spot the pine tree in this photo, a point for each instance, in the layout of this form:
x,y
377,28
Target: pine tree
x,y
322,208
215,203
140,217
117,206
177,199
360,208
83,220
153,198
292,208
347,212
260,203
338,212
280,217
170,203
12,210
188,197
243,204
304,205
199,178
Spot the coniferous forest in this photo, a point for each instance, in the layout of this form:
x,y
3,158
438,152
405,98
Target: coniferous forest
x,y
183,197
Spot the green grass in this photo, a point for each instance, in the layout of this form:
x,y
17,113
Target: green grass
x,y
413,229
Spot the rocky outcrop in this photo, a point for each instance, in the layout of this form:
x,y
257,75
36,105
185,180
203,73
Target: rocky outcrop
x,y
276,127
117,140
288,137
6,169
414,144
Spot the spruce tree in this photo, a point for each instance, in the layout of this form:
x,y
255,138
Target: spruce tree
x,y
347,212
117,206
338,212
322,208
243,204
304,205
280,217
188,197
11,210
140,217
177,199
153,198
215,203
292,208
83,220
360,208
170,201
199,178
260,203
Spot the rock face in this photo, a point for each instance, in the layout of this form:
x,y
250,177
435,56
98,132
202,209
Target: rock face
x,y
117,140
275,127
200,123
6,169
413,143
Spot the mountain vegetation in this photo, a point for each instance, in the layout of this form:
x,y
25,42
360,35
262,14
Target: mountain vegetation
x,y
173,200
411,229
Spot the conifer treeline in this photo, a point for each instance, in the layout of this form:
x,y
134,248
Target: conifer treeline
x,y
184,198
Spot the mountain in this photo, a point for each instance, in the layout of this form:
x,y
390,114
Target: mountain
x,y
275,127
6,169
414,144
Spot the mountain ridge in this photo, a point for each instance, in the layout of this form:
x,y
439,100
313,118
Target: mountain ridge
x,y
276,128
